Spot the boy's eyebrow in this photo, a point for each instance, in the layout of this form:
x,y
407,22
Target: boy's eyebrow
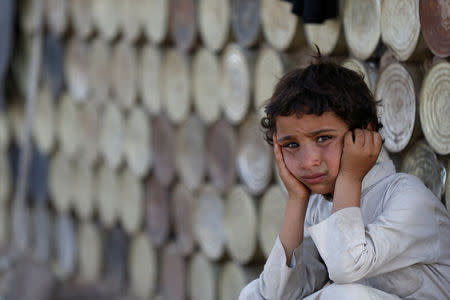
x,y
312,133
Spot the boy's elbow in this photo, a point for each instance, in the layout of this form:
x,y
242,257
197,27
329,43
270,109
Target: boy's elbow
x,y
344,273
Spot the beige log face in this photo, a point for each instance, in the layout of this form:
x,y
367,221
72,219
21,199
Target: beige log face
x,y
44,129
56,12
5,177
66,246
111,139
100,70
89,127
157,212
163,143
90,253
131,203
435,107
60,181
202,278
232,281
108,195
325,36
5,131
128,13
246,21
360,68
214,23
124,74
81,17
68,126
182,205
106,18
362,26
173,274
155,18
85,193
76,69
150,78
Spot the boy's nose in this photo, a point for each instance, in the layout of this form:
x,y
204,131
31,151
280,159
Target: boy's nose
x,y
309,158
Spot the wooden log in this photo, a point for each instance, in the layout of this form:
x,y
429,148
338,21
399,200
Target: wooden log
x,y
4,225
155,20
5,130
206,73
76,68
209,222
246,22
254,158
421,161
99,71
271,215
400,29
90,132
38,175
44,129
116,258
68,122
43,226
106,18
328,36
124,74
240,225
137,142
176,85
233,278
281,28
214,23
30,17
111,135
129,12
202,278
90,253
157,212
61,183
434,16
237,68
81,17
221,154
396,87
163,143
150,79
173,274
182,206
362,27
131,202
84,197
66,244
53,64
108,195
190,152
435,108
5,178
56,13
142,266
183,23
367,70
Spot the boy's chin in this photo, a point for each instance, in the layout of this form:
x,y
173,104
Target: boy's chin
x,y
325,191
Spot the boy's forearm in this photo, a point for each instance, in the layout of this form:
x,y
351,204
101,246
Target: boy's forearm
x,y
291,235
347,193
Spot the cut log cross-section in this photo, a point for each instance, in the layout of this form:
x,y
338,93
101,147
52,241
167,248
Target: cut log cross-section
x,y
173,274
434,15
76,66
246,21
182,208
81,17
66,246
202,278
44,129
214,23
365,69
131,203
106,18
86,192
116,257
149,79
108,196
90,132
157,212
68,126
61,183
90,253
233,278
154,17
57,15
99,71
129,12
183,23
163,143
111,135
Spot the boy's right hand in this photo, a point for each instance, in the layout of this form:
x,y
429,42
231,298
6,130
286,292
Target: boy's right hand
x,y
296,189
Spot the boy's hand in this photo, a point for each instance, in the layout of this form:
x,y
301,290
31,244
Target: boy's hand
x,y
295,188
359,154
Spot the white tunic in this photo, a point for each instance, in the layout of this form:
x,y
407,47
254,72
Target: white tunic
x,y
396,245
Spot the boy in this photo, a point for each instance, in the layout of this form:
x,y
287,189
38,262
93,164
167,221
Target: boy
x,y
353,227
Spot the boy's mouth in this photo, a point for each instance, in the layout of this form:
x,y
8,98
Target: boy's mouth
x,y
313,178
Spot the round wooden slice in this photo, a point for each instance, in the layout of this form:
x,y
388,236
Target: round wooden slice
x,y
421,161
5,130
57,15
90,253
76,68
400,26
237,68
271,215
99,71
44,128
53,64
207,85
163,144
447,189
90,132
111,135
124,74
131,203
214,23
81,17
173,274
137,142
202,278
30,16
106,18
129,12
240,225
142,267
367,70
328,36
155,19
66,245
115,257
150,79
68,126
5,178
281,28
108,196
157,212
176,85
209,224
61,183
16,117
254,159
43,227
434,15
182,208
86,191
190,151
221,155
20,227
362,27
233,278
397,112
183,23
435,107
245,21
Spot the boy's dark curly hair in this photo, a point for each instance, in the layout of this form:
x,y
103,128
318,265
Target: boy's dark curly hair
x,y
318,88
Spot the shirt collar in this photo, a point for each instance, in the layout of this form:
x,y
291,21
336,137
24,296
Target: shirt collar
x,y
382,168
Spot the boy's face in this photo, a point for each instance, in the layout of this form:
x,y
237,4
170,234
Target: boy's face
x,y
312,148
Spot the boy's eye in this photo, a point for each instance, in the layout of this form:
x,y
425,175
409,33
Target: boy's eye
x,y
290,145
323,138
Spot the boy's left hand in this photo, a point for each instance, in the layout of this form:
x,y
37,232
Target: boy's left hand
x,y
359,154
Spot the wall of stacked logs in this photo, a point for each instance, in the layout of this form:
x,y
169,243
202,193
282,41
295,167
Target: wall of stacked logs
x,y
148,169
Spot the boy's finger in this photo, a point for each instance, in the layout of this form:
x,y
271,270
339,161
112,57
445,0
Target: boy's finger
x,y
359,137
377,141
